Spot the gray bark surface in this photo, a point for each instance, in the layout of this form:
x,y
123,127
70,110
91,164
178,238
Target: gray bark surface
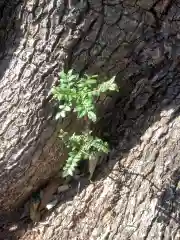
x,y
136,195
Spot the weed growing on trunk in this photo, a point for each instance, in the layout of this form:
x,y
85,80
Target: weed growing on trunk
x,y
79,95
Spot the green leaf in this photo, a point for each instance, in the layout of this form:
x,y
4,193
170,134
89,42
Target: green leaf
x,y
107,86
90,81
67,108
62,74
92,116
113,87
61,106
70,72
82,114
58,115
71,78
80,94
63,114
70,171
92,76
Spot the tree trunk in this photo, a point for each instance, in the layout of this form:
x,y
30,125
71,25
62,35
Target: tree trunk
x,y
137,195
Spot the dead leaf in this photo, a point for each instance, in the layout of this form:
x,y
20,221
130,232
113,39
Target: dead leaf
x,y
93,161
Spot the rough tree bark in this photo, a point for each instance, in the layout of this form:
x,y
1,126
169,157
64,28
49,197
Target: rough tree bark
x,y
137,195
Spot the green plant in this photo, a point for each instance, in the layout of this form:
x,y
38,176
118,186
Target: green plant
x,y
79,94
82,147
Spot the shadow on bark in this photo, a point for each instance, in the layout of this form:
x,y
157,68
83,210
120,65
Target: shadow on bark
x,y
168,206
10,33
10,36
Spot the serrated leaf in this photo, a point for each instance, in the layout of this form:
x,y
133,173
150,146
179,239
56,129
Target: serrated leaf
x,y
82,114
70,171
67,108
70,72
58,115
61,106
62,74
71,78
65,174
80,94
113,87
92,76
63,114
91,81
112,79
92,116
